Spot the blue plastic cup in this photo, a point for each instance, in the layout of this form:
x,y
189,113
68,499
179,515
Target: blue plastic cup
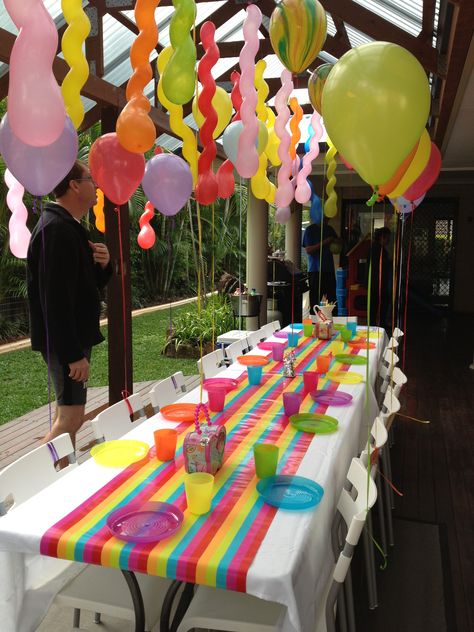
x,y
353,327
255,374
293,339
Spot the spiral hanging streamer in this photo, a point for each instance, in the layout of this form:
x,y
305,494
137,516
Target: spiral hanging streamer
x,y
179,79
261,185
247,156
225,173
295,125
284,193
19,233
146,237
303,190
72,43
177,124
135,129
330,204
207,189
98,210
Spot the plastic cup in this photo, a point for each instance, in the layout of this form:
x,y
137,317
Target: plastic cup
x,y
308,328
352,327
292,403
323,362
165,443
216,396
346,334
198,487
254,374
266,459
310,379
277,351
293,339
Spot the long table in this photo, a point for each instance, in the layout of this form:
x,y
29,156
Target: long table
x,y
242,544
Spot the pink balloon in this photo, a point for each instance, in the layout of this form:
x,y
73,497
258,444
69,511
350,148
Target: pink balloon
x,y
428,176
19,233
247,157
285,191
36,109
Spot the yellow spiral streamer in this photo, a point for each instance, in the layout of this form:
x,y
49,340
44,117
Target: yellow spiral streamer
x,y
330,204
177,124
273,141
71,44
260,184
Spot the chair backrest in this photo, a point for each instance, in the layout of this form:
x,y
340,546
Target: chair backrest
x,y
236,349
387,364
392,343
268,330
254,338
210,364
276,325
379,437
397,333
34,471
167,391
391,404
115,421
399,379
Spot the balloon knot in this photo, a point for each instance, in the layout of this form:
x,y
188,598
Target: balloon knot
x,y
374,197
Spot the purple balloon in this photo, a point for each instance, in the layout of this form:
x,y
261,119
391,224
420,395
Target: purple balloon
x,y
404,206
167,183
39,169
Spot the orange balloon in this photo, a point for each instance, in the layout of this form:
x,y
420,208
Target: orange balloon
x,y
295,125
388,186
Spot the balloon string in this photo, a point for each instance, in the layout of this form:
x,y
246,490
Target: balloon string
x,y
402,237
367,366
321,235
405,322
420,421
125,392
213,263
383,566
198,212
394,271
45,309
171,253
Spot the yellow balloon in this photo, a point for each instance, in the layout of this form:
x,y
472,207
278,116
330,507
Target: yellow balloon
x,y
417,165
375,103
270,198
222,104
273,141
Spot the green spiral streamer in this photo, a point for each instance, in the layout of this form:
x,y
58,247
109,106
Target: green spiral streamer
x,y
179,77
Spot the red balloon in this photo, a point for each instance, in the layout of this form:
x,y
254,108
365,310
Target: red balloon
x,y
115,170
225,179
427,178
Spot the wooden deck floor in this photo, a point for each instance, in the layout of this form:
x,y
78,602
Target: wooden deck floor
x,y
21,435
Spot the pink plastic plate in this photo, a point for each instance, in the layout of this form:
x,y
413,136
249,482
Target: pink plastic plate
x,y
227,382
145,522
268,346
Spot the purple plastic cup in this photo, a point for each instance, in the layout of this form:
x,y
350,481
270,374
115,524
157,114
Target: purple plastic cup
x,y
278,350
292,403
216,396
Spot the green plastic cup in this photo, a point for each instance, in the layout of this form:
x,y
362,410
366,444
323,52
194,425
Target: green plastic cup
x,y
266,459
308,329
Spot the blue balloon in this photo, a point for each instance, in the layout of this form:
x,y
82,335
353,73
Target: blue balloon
x,y
316,210
308,140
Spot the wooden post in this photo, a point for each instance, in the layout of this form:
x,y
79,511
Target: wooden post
x,y
257,240
118,294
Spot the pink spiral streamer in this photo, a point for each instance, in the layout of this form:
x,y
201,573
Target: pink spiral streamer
x,y
303,190
19,233
284,193
247,156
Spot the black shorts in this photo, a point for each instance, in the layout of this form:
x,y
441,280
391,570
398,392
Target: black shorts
x,y
68,392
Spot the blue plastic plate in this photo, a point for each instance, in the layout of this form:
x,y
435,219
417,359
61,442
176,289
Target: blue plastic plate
x,y
296,325
290,492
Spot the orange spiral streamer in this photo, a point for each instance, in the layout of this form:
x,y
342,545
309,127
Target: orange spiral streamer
x,y
295,125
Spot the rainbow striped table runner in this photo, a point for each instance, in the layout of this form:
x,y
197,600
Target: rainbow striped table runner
x,y
216,549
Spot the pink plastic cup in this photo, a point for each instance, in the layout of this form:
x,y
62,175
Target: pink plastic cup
x,y
310,379
292,403
278,350
216,396
323,362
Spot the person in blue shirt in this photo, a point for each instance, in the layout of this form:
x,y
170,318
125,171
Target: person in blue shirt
x,y
312,244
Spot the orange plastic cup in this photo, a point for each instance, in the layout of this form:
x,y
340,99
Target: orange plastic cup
x,y
323,362
165,443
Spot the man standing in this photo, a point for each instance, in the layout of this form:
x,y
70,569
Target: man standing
x,y
316,238
65,273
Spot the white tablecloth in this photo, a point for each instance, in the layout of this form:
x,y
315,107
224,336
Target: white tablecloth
x,y
292,565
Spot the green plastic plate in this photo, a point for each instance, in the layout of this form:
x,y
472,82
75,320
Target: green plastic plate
x,y
347,358
314,423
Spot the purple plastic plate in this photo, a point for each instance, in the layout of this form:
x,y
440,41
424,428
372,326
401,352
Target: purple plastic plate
x,y
145,522
281,334
331,398
227,382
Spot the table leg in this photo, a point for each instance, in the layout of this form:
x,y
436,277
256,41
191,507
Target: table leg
x,y
137,600
166,625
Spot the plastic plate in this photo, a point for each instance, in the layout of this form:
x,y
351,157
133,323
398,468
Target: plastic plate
x,y
145,522
120,453
252,360
344,377
180,412
290,492
227,382
347,358
315,423
331,398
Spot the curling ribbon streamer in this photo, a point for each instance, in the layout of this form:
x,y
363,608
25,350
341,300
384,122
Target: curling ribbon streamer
x,y
284,193
295,125
206,188
177,124
135,129
72,44
19,233
98,210
260,183
303,190
179,79
31,74
330,205
225,173
146,237
247,156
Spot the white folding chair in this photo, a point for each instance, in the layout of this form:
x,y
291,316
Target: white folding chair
x,y
95,588
397,333
392,343
167,391
268,330
116,420
399,379
217,609
276,325
210,364
236,349
254,338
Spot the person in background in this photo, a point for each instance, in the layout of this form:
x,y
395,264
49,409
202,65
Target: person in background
x,y
381,280
65,273
316,243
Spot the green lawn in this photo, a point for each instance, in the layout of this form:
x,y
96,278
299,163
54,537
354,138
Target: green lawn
x,y
23,374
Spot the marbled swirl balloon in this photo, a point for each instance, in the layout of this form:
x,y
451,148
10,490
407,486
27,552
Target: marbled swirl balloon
x,y
297,32
316,85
